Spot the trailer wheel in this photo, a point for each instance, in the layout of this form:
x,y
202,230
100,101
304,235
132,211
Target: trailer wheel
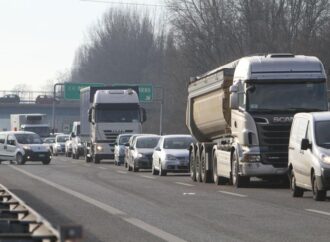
x,y
192,162
236,179
206,176
198,166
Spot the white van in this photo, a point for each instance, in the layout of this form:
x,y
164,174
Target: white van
x,y
22,146
309,154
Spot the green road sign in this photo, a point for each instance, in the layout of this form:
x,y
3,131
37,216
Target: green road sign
x,y
145,91
72,90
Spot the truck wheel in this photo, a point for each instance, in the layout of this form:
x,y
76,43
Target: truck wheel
x,y
206,176
318,195
192,162
20,159
218,180
135,169
236,178
296,191
198,167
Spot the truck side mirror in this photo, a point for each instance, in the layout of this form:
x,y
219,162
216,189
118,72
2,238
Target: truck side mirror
x,y
305,145
234,100
143,115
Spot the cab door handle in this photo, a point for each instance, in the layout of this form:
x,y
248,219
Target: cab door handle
x,y
291,148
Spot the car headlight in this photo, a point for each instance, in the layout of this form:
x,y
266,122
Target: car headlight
x,y
140,155
170,157
99,147
26,147
79,144
325,158
251,158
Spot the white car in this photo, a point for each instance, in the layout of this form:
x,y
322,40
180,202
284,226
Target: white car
x,y
22,146
309,154
171,154
68,147
59,145
141,152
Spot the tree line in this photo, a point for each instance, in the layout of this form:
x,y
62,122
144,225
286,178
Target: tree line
x,y
128,46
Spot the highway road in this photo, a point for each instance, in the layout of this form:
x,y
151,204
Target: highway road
x,y
113,204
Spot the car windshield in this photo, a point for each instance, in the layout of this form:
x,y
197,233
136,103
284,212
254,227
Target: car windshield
x,y
28,139
147,142
49,141
322,134
283,97
124,139
177,143
62,138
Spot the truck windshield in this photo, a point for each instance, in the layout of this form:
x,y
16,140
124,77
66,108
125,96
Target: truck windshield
x,y
28,139
117,114
42,131
322,138
286,97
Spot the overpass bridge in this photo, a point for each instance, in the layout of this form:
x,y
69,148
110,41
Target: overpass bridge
x,y
65,113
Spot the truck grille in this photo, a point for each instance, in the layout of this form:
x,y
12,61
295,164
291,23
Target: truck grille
x,y
274,141
111,135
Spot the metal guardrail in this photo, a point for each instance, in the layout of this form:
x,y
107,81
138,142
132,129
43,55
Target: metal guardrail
x,y
20,223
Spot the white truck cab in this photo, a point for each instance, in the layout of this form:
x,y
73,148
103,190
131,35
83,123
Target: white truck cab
x,y
22,146
309,154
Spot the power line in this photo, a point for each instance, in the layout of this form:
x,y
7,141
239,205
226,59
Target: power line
x,y
126,3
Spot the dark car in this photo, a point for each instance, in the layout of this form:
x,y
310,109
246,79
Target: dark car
x,y
45,99
10,98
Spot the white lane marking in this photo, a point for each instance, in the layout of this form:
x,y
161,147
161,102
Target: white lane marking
x,y
109,209
318,211
153,230
184,184
101,167
188,193
122,172
149,177
233,194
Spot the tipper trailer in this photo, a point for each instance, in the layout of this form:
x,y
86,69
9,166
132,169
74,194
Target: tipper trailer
x,y
241,115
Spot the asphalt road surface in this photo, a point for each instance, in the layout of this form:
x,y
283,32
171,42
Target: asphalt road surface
x,y
113,204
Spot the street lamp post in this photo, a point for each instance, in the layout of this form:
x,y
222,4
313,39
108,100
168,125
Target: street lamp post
x,y
54,100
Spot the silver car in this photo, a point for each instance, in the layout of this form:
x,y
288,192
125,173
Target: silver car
x,y
171,154
121,140
141,152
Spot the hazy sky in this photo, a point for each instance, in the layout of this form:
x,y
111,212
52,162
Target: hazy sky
x,y
38,38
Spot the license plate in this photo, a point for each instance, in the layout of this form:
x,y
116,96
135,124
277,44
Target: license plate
x,y
41,155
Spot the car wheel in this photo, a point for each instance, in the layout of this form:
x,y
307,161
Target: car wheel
x,y
318,195
296,191
161,171
46,162
135,169
153,170
96,160
20,159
